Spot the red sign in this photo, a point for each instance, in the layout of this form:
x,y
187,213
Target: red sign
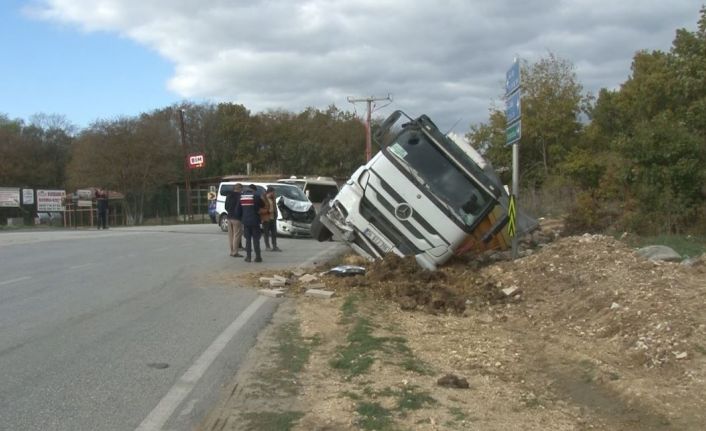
x,y
195,161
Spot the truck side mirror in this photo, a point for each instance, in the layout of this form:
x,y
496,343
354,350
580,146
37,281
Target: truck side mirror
x,y
385,126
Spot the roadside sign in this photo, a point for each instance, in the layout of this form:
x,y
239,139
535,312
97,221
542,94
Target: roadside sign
x,y
513,133
511,217
512,107
195,161
27,196
512,78
9,197
50,200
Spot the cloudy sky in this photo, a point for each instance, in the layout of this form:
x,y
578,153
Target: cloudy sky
x,y
91,59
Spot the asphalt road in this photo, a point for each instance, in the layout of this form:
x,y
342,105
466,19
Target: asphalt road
x,y
125,329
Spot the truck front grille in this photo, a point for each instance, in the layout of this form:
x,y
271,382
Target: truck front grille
x,y
384,226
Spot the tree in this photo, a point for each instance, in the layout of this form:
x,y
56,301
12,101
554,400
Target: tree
x,y
552,102
133,156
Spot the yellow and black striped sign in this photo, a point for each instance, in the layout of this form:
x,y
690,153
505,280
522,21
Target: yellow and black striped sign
x,y
511,217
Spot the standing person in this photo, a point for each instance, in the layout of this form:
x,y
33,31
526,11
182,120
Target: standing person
x,y
102,207
249,212
235,227
269,220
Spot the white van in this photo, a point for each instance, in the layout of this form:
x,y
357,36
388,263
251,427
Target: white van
x,y
317,189
295,211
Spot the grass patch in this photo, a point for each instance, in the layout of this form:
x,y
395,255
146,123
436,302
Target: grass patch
x,y
349,308
357,356
289,357
293,350
416,365
272,421
374,417
411,399
457,414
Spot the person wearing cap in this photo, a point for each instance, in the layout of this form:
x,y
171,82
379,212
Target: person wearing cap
x,y
235,227
248,211
269,219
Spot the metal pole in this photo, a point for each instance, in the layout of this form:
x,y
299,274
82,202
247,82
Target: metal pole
x,y
368,139
515,187
187,173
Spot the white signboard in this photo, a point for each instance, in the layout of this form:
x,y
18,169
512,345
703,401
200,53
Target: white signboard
x,y
50,200
9,197
27,196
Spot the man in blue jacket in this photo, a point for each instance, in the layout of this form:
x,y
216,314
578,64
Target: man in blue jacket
x,y
248,211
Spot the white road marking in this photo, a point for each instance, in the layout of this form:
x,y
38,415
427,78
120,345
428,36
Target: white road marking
x,y
181,389
14,280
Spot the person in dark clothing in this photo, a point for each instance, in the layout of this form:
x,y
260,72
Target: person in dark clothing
x,y
269,219
102,207
235,227
249,213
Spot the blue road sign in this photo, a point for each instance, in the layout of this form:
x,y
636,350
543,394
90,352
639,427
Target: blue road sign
x,y
513,109
512,78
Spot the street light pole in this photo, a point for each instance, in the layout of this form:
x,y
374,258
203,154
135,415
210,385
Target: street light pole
x,y
187,171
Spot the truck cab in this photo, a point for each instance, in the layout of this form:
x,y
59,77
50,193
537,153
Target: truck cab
x,y
422,195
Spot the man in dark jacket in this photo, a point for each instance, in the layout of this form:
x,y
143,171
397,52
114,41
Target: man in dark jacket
x,y
102,207
249,213
235,227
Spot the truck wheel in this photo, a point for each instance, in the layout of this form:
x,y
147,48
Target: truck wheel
x,y
318,230
223,222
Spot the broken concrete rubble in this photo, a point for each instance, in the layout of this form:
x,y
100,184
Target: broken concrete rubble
x,y
317,293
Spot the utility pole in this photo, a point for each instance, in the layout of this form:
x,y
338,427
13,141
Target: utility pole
x,y
187,171
369,101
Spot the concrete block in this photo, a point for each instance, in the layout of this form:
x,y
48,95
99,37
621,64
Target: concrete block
x,y
277,283
274,293
317,293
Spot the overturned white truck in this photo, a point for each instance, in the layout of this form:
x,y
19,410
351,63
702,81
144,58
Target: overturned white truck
x,y
424,194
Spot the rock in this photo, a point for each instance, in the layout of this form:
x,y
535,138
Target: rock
x,y
692,261
453,381
298,272
614,306
265,280
681,355
511,291
658,253
280,278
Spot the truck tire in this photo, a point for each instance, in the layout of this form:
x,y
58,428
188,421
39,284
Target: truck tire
x,y
318,231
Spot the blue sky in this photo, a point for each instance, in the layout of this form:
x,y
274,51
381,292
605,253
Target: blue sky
x,y
101,59
55,68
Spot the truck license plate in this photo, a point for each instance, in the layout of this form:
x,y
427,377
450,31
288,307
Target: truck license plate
x,y
372,236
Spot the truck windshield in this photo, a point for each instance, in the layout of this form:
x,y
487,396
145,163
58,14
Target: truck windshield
x,y
429,167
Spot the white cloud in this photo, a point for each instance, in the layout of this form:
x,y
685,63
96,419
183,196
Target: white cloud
x,y
446,59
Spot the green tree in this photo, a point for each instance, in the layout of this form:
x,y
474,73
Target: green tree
x,y
130,155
